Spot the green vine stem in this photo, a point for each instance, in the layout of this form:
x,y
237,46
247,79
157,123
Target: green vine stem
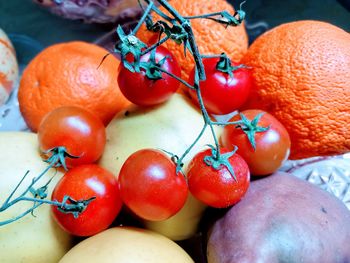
x,y
182,157
224,123
203,16
75,208
35,180
181,32
177,78
159,12
143,18
3,223
57,159
207,119
161,41
188,29
213,56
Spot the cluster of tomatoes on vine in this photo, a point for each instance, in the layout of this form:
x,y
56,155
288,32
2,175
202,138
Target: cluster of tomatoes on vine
x,y
252,141
150,183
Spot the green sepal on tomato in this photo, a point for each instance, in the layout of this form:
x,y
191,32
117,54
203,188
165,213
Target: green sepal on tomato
x,y
226,87
74,132
86,182
221,185
262,141
150,86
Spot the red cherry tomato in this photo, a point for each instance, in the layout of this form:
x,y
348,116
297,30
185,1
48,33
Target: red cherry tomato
x,y
217,187
272,146
221,93
79,131
141,90
81,183
150,187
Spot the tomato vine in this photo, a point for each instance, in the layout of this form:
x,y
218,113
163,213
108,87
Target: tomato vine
x,y
39,194
178,28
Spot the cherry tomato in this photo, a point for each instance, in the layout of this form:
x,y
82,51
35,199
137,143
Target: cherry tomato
x,y
272,146
141,90
221,93
218,187
150,187
82,183
79,131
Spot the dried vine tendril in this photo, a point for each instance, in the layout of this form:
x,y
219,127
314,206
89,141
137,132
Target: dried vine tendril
x,y
38,195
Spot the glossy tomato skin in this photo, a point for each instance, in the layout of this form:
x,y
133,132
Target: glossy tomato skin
x,y
221,93
150,187
141,90
79,131
217,188
272,146
84,182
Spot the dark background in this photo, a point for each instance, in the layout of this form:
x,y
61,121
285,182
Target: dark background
x,y
27,18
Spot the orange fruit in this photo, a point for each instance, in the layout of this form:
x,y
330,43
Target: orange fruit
x,y
69,74
302,76
211,37
8,67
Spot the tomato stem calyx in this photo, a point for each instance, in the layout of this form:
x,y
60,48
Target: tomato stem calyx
x,y
40,192
75,207
58,157
151,67
129,44
176,160
224,65
250,128
39,198
218,161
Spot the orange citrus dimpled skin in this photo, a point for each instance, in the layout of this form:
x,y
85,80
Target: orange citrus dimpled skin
x,y
302,77
211,37
68,74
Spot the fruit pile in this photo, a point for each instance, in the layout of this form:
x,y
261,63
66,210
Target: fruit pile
x,y
189,120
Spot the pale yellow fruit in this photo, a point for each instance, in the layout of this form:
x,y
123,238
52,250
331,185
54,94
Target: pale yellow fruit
x,y
127,245
8,67
172,126
30,239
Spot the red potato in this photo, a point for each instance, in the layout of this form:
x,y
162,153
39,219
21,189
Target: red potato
x,y
282,219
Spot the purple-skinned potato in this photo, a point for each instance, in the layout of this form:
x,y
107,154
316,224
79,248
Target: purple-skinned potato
x,y
282,219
